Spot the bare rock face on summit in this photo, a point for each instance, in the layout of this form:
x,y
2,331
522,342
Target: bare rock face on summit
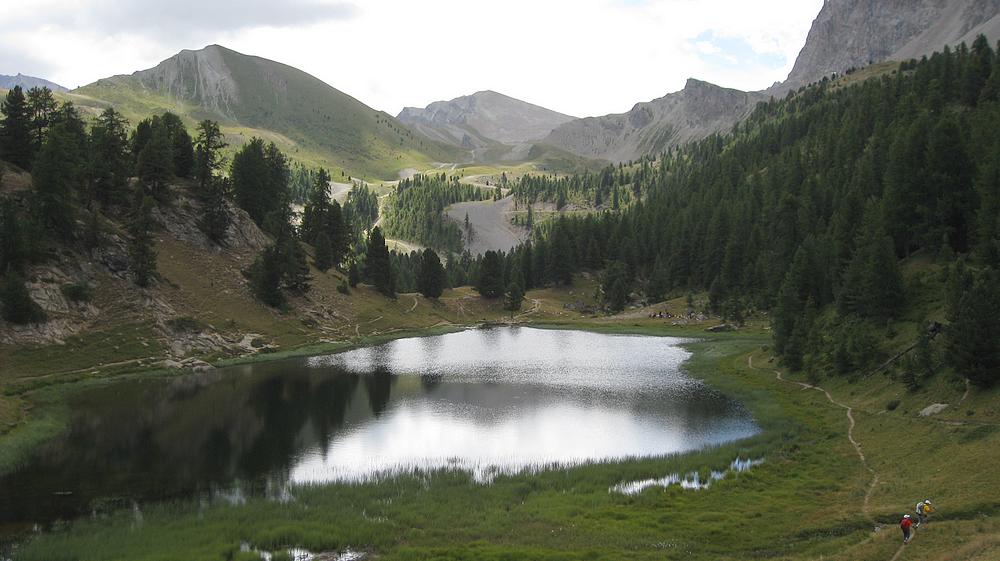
x,y
483,118
845,34
202,77
693,113
298,111
855,33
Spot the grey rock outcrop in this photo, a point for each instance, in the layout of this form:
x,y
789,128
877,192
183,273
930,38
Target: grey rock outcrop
x,y
199,76
483,118
845,34
693,113
856,33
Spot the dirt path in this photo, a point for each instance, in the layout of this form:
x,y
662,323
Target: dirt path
x,y
968,385
414,306
865,505
850,436
142,361
357,327
536,304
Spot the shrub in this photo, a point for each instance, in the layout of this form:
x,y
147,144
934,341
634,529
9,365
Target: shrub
x,y
16,304
185,324
78,292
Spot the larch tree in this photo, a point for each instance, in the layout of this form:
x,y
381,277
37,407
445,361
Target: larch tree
x,y
15,132
431,277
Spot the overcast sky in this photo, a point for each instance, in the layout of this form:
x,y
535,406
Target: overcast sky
x,y
581,57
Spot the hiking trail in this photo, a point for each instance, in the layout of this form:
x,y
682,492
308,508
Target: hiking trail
x,y
865,505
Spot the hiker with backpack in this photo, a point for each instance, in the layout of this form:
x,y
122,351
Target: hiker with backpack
x,y
906,526
924,509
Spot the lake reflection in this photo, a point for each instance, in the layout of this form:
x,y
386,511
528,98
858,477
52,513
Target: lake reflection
x,y
483,401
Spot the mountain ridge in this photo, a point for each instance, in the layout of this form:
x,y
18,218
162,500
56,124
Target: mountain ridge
x,y
27,82
691,113
483,118
253,95
845,34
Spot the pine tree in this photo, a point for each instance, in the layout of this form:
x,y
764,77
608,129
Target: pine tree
x,y
15,134
13,236
183,151
41,107
155,164
614,286
260,180
872,285
561,258
142,254
181,147
109,159
249,175
57,176
265,277
295,269
315,214
208,160
527,265
378,268
16,304
353,275
659,281
140,137
988,215
213,190
324,252
489,283
339,232
514,296
431,276
974,333
215,218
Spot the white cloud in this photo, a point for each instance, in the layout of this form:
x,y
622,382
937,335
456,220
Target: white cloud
x,y
584,57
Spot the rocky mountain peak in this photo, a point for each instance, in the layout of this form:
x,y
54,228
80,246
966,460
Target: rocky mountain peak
x,y
201,76
856,33
27,82
484,117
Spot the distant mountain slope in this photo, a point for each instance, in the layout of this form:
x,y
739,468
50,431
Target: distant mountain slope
x,y
482,118
255,96
690,114
855,33
845,34
28,82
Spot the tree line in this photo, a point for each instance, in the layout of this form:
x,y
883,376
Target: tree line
x,y
84,173
806,208
416,210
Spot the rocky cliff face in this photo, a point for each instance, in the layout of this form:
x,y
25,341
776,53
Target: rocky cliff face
x,y
300,112
693,113
845,34
201,77
483,118
856,33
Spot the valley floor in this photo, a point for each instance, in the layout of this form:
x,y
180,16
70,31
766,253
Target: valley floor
x,y
816,495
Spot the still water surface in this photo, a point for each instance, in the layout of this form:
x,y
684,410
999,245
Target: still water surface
x,y
484,401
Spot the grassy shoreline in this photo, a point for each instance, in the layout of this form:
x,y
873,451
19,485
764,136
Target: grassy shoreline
x,y
805,501
454,489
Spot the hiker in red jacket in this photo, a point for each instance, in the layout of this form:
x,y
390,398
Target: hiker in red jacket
x,y
905,525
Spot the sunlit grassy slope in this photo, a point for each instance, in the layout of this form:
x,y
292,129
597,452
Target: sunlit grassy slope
x,y
310,120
